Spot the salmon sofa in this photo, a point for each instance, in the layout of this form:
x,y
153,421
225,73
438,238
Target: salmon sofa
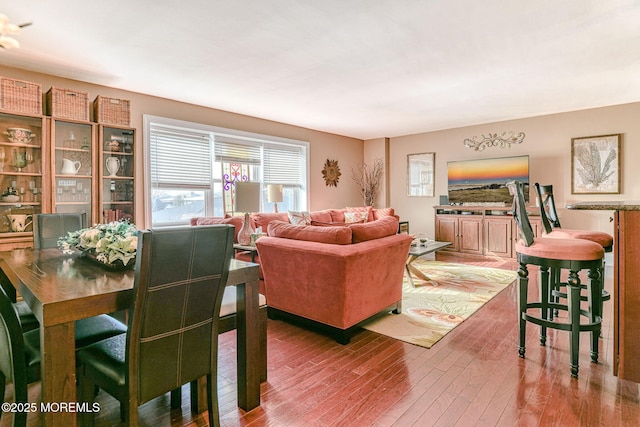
x,y
332,276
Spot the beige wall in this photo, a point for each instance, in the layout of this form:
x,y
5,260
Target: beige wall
x,y
322,146
548,144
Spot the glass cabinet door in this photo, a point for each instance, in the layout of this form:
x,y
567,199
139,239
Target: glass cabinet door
x,y
21,168
73,167
117,173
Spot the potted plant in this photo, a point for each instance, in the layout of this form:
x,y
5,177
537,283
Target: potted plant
x,y
113,244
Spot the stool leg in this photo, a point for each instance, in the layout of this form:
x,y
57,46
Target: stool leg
x,y
523,284
595,309
573,300
544,302
554,287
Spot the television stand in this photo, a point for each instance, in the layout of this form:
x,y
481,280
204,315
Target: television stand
x,y
481,230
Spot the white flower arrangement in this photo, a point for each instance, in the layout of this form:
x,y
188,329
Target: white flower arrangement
x,y
112,242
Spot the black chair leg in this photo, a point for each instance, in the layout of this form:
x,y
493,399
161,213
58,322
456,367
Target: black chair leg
x,y
523,284
544,302
573,289
595,309
176,398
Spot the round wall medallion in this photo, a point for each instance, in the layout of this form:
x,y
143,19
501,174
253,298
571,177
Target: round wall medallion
x,y
331,173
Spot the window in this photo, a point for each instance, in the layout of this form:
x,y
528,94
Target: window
x,y
192,169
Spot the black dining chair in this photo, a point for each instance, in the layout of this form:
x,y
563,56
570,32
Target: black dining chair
x,y
47,228
574,255
552,228
172,338
18,365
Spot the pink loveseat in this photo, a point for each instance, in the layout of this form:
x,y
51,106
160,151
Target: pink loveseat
x,y
333,276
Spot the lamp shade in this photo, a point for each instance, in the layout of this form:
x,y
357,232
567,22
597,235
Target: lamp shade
x,y
247,197
274,193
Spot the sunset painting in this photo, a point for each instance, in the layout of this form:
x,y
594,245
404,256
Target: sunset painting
x,y
483,181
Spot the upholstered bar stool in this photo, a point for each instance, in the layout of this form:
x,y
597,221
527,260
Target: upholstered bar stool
x,y
574,255
552,228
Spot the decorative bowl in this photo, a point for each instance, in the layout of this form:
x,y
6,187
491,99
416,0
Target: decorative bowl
x,y
11,198
19,135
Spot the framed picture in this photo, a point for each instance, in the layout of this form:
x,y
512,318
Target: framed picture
x,y
595,164
403,227
420,173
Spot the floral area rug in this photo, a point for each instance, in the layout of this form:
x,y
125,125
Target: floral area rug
x,y
432,309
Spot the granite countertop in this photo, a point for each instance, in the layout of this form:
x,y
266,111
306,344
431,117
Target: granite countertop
x,y
617,205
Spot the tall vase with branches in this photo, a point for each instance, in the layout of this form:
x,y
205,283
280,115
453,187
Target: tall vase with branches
x,y
367,179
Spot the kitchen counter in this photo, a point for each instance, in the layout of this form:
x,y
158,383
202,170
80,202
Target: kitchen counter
x,y
626,290
617,205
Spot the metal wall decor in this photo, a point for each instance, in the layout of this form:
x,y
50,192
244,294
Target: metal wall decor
x,y
331,173
494,140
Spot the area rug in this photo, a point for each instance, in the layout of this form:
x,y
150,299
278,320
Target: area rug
x,y
432,310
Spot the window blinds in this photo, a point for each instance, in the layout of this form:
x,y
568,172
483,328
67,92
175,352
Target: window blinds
x,y
283,164
180,158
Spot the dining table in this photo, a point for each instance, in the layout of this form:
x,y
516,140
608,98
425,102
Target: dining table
x,y
62,288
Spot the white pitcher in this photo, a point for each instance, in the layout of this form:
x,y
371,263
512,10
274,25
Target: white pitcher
x,y
113,165
19,221
69,167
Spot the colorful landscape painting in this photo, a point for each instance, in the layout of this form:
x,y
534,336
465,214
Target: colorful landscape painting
x,y
483,180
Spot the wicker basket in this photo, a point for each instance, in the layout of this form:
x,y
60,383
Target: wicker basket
x,y
19,96
68,104
112,111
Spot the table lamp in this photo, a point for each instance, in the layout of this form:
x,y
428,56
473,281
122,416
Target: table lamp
x,y
247,200
274,195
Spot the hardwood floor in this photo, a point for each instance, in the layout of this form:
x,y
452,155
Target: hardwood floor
x,y
472,377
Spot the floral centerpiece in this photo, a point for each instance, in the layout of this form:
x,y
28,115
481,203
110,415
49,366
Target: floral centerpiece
x,y
113,244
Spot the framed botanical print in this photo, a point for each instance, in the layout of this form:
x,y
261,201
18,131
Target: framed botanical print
x,y
420,173
595,164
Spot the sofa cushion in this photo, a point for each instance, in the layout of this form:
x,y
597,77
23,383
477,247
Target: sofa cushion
x,y
328,224
236,221
368,210
334,235
380,213
322,216
299,217
386,226
337,215
262,219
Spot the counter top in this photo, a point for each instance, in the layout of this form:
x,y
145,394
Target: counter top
x,y
617,205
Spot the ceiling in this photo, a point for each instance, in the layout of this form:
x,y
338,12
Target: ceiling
x,y
360,68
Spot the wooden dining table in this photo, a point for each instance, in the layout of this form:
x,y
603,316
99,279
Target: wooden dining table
x,y
62,288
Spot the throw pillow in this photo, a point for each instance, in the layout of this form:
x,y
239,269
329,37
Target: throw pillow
x,y
355,217
367,209
299,218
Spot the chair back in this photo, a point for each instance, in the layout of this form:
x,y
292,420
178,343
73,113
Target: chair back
x,y
548,213
48,228
519,210
13,366
180,276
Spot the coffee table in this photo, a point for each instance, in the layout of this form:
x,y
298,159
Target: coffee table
x,y
417,251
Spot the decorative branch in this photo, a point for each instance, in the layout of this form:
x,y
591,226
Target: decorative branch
x,y
494,140
367,179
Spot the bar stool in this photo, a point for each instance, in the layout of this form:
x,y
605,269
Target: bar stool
x,y
574,255
552,228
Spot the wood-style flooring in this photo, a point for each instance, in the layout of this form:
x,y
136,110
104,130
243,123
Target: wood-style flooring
x,y
472,377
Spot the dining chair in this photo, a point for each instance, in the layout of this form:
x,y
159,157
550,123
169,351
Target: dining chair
x,y
47,228
574,255
17,364
172,336
552,228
